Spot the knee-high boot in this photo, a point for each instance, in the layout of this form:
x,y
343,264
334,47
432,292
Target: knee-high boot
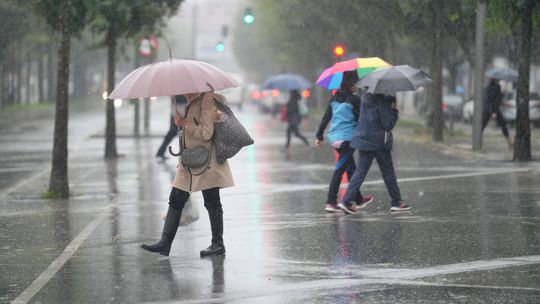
x,y
167,236
216,224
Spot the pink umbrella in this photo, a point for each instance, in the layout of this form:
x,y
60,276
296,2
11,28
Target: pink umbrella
x,y
172,77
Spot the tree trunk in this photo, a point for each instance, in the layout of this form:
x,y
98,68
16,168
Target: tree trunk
x,y
110,128
51,83
18,74
436,64
522,144
27,75
40,79
59,185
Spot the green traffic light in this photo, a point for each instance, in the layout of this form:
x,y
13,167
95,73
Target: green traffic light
x,y
249,19
220,47
248,16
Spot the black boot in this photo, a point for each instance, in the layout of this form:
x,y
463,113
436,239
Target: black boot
x,y
216,223
167,236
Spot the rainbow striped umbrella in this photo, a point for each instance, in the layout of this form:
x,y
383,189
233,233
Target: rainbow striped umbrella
x,y
332,76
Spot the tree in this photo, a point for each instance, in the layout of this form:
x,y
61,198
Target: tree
x,y
511,15
61,16
116,19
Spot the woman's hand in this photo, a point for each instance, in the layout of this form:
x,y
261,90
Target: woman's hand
x,y
179,120
317,143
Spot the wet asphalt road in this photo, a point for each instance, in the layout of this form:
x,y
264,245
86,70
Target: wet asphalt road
x,y
473,235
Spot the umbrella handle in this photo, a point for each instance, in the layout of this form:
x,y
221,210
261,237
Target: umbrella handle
x,y
172,153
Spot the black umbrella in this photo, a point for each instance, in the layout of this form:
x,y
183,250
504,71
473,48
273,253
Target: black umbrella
x,y
394,79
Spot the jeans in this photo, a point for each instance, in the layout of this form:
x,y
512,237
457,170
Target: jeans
x,y
345,164
384,159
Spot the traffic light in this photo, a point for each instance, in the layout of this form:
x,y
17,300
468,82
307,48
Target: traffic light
x,y
339,50
248,16
220,46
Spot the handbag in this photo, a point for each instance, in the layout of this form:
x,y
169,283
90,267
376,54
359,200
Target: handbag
x,y
229,134
195,158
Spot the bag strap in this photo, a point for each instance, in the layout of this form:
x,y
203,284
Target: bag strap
x,y
183,143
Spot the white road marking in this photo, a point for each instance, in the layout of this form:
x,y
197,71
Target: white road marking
x,y
270,188
59,262
385,277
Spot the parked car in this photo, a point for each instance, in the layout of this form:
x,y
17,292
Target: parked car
x,y
452,107
508,109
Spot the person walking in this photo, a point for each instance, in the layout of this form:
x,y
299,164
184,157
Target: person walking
x,y
342,113
176,101
492,109
197,130
294,118
373,138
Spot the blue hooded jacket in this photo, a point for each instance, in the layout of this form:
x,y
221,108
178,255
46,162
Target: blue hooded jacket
x,y
377,119
342,114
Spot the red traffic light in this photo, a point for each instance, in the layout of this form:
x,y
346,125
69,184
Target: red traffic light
x,y
339,50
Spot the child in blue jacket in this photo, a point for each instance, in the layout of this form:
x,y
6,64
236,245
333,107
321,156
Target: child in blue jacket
x,y
342,114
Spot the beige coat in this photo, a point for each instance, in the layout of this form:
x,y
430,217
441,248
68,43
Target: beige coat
x,y
201,113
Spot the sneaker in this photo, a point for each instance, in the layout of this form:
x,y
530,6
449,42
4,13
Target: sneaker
x,y
331,208
401,207
350,210
366,199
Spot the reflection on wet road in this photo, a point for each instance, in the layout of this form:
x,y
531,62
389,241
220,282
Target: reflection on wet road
x,y
473,223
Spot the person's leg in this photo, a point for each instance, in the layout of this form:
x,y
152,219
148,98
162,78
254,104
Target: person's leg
x,y
502,124
297,133
365,158
212,203
166,140
384,159
288,137
177,200
485,119
343,164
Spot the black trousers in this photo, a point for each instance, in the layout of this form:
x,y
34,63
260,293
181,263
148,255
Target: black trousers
x,y
500,122
345,164
293,128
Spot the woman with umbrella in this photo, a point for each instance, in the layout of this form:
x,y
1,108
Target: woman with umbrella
x,y
492,109
196,81
373,135
342,114
294,118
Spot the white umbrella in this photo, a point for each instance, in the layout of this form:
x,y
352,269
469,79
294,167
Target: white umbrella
x,y
507,74
172,77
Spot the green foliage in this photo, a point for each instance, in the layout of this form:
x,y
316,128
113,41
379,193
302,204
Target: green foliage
x,y
128,18
50,10
17,20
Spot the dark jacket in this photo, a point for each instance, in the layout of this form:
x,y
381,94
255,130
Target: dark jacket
x,y
377,119
293,113
343,112
493,97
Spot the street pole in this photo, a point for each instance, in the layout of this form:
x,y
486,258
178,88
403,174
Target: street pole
x,y
135,101
478,77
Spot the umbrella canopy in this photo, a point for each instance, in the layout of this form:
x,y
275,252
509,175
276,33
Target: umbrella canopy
x,y
507,74
331,77
286,82
172,77
394,79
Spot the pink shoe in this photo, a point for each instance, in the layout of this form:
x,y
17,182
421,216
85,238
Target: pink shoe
x,y
366,199
331,208
348,209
